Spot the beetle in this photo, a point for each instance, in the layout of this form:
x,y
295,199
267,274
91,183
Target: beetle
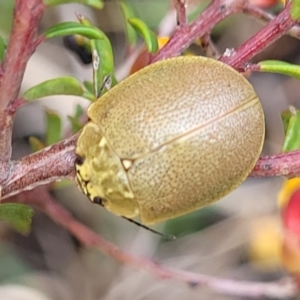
x,y
170,139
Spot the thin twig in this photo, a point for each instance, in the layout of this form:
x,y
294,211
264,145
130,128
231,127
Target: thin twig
x,y
53,163
284,164
15,105
180,6
27,15
283,289
266,17
203,24
6,125
217,11
56,162
276,28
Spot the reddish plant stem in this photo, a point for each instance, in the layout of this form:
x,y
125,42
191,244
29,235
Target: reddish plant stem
x,y
266,17
40,198
39,40
276,28
6,124
51,164
27,15
217,11
56,162
205,22
258,13
284,164
181,12
15,105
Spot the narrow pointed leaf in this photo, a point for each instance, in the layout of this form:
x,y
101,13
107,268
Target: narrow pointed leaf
x,y
105,67
292,141
285,119
70,28
2,49
93,3
103,59
53,131
57,86
75,119
89,96
128,13
19,216
89,86
147,34
75,124
280,67
78,111
295,10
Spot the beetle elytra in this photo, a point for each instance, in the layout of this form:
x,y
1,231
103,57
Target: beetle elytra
x,y
170,139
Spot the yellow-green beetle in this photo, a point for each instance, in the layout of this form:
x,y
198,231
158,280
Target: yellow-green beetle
x,y
174,137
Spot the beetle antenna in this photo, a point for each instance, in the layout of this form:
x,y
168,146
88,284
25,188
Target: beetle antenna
x,y
165,236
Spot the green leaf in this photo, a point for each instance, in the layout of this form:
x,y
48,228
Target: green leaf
x,y
53,129
128,13
75,124
89,86
93,3
103,63
2,49
147,34
57,86
281,67
103,59
295,10
78,111
75,119
292,140
285,118
17,215
89,91
70,28
89,96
